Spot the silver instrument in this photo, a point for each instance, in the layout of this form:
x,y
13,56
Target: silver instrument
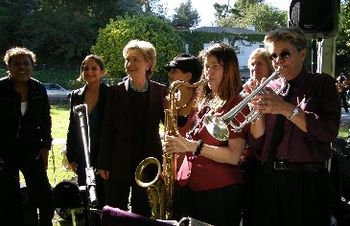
x,y
217,126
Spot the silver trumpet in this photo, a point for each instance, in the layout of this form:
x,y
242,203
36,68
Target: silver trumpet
x,y
217,126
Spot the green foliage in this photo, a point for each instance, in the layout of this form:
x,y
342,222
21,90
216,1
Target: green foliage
x,y
63,77
59,32
262,16
60,37
60,119
185,17
119,32
342,41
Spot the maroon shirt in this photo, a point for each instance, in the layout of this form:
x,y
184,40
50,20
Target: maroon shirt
x,y
317,96
201,173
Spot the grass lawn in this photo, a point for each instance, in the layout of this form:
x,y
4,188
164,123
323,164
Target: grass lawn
x,y
60,119
56,170
58,173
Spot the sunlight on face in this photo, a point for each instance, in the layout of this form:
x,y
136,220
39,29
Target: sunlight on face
x,y
92,71
214,72
285,55
259,68
135,64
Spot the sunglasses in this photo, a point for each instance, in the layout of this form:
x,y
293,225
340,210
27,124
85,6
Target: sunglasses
x,y
284,55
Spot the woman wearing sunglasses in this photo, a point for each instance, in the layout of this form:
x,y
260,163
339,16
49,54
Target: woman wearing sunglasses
x,y
292,139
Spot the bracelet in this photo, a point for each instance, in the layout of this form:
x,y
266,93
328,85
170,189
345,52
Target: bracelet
x,y
199,148
294,112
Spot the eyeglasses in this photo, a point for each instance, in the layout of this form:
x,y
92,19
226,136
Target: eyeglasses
x,y
284,55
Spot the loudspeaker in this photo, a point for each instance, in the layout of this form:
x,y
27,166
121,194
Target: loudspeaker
x,y
320,18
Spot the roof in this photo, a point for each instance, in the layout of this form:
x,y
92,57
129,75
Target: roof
x,y
235,30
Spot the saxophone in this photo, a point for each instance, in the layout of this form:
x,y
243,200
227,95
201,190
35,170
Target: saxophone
x,y
160,187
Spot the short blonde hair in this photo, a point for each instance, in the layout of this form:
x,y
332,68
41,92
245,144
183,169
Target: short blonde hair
x,y
148,51
17,51
264,54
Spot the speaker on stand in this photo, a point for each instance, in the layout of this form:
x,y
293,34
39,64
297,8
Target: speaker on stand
x,y
319,21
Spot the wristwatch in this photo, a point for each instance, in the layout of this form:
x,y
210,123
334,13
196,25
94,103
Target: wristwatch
x,y
294,112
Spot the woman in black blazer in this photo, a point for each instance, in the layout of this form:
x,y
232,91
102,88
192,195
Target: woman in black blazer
x,y
130,132
93,94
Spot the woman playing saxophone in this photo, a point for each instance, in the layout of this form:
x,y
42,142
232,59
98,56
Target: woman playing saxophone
x,y
209,176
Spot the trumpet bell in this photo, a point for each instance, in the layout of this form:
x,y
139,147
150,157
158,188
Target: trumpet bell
x,y
217,127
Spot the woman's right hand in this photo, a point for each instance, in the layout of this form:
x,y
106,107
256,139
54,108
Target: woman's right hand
x,y
73,166
104,174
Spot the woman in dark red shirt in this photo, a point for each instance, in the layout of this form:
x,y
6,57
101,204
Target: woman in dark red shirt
x,y
209,176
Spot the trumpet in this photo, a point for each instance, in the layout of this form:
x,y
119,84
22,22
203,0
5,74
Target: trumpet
x,y
217,126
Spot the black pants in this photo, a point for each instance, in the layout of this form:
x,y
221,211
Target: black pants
x,y
284,198
117,195
38,187
10,203
249,170
220,207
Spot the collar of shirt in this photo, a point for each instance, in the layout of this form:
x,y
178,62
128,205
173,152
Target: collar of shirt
x,y
142,90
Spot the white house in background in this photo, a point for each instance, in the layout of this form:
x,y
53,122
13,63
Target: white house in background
x,y
243,47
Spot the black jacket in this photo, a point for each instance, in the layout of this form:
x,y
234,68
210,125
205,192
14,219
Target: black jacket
x,y
32,131
116,136
75,150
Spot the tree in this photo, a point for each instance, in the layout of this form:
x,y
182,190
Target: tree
x,y
185,17
225,10
153,7
59,37
262,16
12,13
342,41
59,31
112,39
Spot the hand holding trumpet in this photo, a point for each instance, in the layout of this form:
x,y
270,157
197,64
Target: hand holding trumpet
x,y
269,103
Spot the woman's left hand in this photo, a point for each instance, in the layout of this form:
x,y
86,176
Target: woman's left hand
x,y
44,154
269,103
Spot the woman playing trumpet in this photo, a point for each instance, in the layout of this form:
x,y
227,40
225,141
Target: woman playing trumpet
x,y
209,177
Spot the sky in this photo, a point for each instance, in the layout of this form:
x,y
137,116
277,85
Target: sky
x,y
206,10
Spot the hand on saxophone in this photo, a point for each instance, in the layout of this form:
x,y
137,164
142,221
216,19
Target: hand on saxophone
x,y
178,144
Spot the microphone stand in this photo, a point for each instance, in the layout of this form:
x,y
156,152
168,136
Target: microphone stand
x,y
80,111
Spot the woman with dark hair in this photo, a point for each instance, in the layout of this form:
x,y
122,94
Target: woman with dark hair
x,y
210,176
186,68
93,94
25,133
